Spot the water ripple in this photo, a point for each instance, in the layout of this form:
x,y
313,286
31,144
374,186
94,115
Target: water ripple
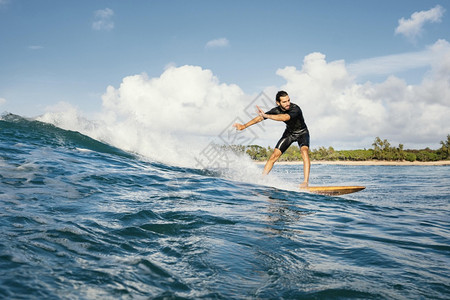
x,y
99,223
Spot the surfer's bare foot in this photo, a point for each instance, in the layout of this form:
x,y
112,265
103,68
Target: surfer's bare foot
x,y
304,185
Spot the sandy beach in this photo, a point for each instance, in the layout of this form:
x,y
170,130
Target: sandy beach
x,y
368,163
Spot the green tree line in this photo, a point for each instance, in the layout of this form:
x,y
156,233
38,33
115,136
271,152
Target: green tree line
x,y
382,150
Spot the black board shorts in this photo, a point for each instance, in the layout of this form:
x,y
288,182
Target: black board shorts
x,y
302,138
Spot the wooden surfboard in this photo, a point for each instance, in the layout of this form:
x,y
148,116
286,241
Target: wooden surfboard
x,y
333,190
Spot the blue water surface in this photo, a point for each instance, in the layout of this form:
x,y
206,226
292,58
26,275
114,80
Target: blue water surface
x,y
83,220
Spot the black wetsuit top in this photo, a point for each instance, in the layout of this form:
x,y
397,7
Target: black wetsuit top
x,y
296,129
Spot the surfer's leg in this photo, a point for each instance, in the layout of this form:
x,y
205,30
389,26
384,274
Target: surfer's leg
x,y
303,143
282,145
273,158
306,165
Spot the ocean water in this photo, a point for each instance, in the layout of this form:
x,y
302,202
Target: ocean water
x,y
80,219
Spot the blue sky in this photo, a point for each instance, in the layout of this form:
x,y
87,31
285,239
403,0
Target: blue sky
x,y
55,51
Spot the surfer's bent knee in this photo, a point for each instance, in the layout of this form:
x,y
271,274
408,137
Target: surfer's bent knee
x,y
276,154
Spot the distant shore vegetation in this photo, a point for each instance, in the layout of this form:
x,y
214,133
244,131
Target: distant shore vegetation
x,y
382,150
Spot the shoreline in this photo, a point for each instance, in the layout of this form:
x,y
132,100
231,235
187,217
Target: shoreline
x,y
366,163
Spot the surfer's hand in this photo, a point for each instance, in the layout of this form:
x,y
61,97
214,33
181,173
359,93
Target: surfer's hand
x,y
239,126
260,111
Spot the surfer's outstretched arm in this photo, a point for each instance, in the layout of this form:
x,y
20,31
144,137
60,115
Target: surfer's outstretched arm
x,y
261,117
253,121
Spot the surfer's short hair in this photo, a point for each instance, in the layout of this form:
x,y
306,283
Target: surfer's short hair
x,y
279,95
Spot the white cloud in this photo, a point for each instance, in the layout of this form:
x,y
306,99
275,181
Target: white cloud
x,y
183,99
2,101
390,64
103,19
218,43
396,63
413,27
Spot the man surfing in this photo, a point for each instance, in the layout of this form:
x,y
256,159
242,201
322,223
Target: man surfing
x,y
296,130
